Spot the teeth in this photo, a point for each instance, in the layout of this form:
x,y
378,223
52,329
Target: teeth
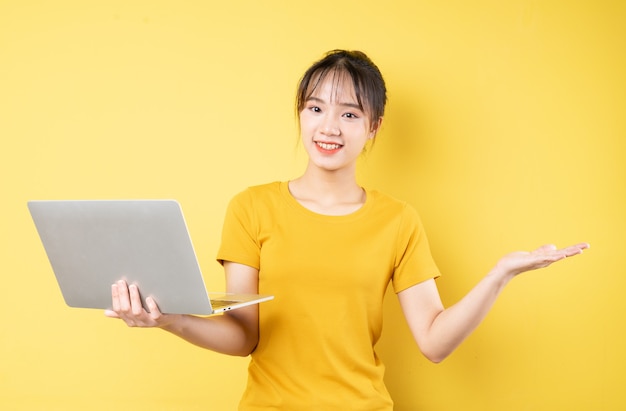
x,y
327,146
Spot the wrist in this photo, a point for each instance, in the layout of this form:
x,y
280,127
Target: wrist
x,y
502,274
171,322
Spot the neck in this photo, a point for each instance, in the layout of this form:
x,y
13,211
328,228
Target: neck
x,y
327,192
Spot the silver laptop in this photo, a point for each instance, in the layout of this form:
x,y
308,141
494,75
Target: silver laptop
x,y
91,244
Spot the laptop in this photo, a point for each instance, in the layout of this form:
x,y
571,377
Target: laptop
x,y
91,244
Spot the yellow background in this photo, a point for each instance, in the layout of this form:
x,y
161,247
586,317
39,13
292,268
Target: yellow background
x,y
505,128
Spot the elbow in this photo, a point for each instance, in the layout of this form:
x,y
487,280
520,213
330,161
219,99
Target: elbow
x,y
244,351
435,348
242,354
435,358
246,336
436,354
245,347
234,350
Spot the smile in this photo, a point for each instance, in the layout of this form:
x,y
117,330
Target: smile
x,y
328,146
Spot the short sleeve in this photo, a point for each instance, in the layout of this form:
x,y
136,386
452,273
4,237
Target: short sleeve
x,y
414,262
239,241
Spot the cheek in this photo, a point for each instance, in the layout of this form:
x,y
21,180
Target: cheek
x,y
307,125
357,130
306,133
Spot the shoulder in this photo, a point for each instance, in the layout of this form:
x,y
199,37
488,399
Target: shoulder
x,y
388,209
265,196
383,202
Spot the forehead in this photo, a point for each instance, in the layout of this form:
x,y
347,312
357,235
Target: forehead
x,y
334,86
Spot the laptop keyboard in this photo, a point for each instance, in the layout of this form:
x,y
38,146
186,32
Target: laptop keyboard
x,y
221,303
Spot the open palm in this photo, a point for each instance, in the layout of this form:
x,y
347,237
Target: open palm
x,y
521,261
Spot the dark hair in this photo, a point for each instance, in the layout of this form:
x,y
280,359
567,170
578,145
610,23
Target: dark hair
x,y
369,86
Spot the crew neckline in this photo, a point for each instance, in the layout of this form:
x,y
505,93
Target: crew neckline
x,y
291,200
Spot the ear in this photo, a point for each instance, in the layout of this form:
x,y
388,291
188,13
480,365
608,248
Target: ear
x,y
375,127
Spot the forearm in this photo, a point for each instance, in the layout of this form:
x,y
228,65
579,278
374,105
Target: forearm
x,y
235,332
439,331
226,333
454,324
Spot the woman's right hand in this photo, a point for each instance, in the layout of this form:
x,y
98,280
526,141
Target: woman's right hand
x,y
126,305
235,332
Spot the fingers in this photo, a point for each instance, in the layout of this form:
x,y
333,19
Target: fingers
x,y
111,314
549,254
115,298
582,246
126,298
519,262
575,249
120,297
126,305
155,313
551,249
135,300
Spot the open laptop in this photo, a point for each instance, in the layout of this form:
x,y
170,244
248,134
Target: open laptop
x,y
91,244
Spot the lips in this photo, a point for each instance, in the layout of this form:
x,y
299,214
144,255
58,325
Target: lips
x,y
328,146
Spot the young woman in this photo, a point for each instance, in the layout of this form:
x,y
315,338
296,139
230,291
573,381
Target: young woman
x,y
327,248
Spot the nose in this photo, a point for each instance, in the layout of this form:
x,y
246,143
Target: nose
x,y
330,126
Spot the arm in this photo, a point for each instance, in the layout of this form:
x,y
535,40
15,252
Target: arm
x,y
235,332
438,331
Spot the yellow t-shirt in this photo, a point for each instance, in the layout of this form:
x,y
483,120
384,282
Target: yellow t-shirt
x,y
329,275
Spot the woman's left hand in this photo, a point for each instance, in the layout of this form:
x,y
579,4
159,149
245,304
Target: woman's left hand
x,y
521,261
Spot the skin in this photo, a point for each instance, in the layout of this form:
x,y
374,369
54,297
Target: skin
x,y
334,132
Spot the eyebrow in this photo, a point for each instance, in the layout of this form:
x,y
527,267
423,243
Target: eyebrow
x,y
351,105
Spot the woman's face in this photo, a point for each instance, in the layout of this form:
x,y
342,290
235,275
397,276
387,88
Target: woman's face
x,y
334,130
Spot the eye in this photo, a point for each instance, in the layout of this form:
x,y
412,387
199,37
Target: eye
x,y
350,115
314,109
